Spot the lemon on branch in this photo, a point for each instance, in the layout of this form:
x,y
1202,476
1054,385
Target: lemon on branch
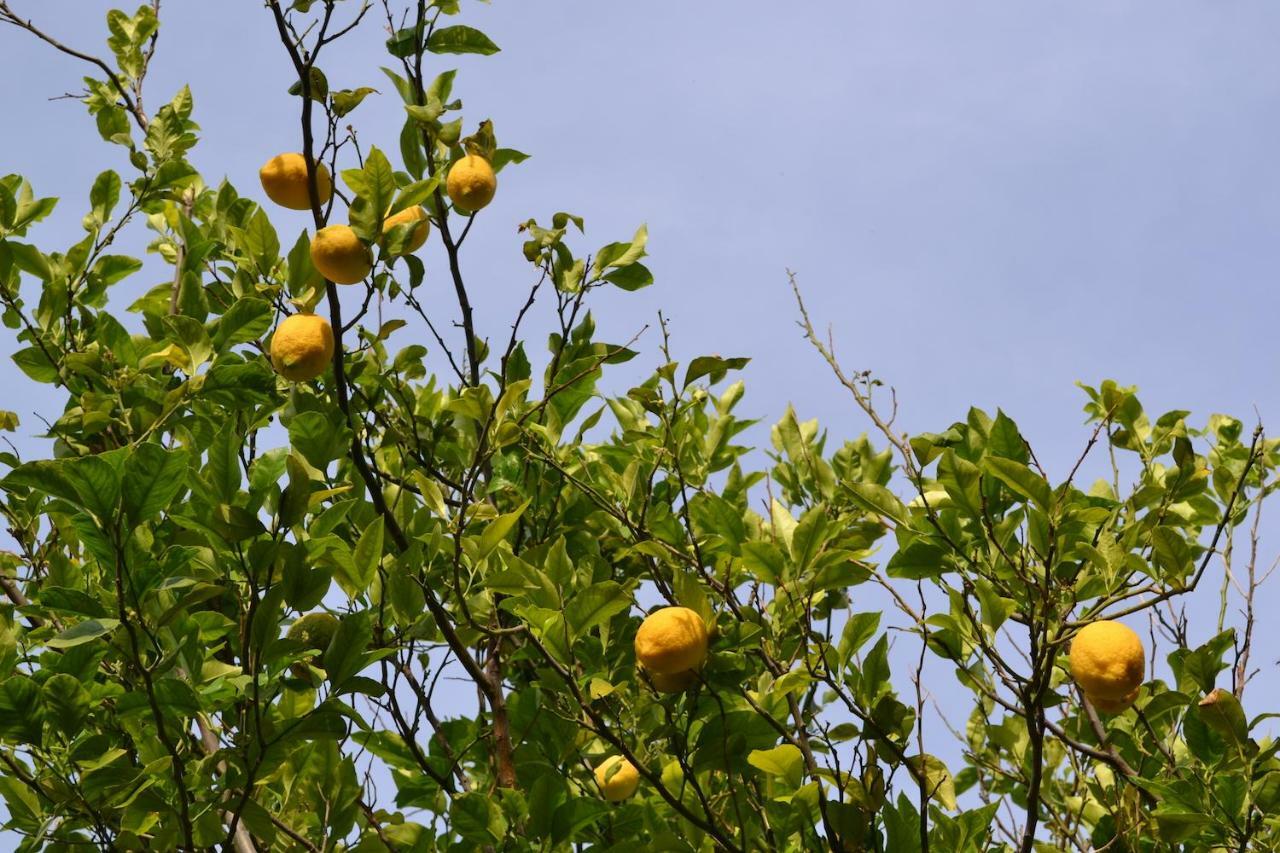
x,y
471,183
671,640
302,347
284,179
617,778
339,255
1107,660
417,235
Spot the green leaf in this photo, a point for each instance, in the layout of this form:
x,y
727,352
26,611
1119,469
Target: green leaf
x,y
153,477
595,605
713,366
786,761
367,554
878,500
1021,479
498,530
33,362
247,319
461,39
84,632
938,782
66,702
346,100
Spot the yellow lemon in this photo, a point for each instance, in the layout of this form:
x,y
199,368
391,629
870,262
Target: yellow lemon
x,y
1107,660
674,683
284,179
671,640
471,183
339,255
617,778
1113,706
314,630
419,235
302,347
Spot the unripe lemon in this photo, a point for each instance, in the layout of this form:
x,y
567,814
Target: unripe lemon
x,y
1113,706
315,630
302,347
419,235
674,683
1107,660
284,179
620,783
671,640
471,183
339,255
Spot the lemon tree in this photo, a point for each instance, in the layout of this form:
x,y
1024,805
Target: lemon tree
x,y
275,521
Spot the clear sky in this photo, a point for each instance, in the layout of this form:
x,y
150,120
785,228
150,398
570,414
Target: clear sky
x,y
988,200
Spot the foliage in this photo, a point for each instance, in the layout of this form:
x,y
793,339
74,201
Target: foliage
x,y
484,513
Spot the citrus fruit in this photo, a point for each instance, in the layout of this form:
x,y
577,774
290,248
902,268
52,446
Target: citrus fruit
x,y
284,179
419,234
617,778
302,347
339,255
471,183
674,683
1113,706
1107,660
671,640
315,630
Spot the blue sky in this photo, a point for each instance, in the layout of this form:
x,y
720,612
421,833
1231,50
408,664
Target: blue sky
x,y
987,201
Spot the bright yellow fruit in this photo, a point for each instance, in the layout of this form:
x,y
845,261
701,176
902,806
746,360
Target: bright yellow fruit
x,y
617,784
671,640
674,683
302,347
339,255
315,630
1107,660
471,183
284,179
1113,706
410,214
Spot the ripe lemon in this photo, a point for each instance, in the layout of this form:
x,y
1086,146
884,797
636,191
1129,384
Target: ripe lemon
x,y
315,630
284,179
419,234
471,183
302,347
674,683
1113,706
620,783
671,640
1107,660
339,255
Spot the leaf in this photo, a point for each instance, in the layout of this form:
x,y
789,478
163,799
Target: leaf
x,y
859,628
713,366
368,553
938,782
33,362
878,500
917,560
461,39
595,605
498,530
346,100
153,477
1021,479
786,761
83,632
247,319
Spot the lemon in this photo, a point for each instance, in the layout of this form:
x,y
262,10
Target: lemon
x,y
302,347
1113,706
1107,660
674,683
315,630
617,778
284,179
471,183
339,255
419,234
671,640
